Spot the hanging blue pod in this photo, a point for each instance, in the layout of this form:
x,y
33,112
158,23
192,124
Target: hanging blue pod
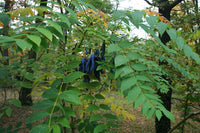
x,y
90,64
82,66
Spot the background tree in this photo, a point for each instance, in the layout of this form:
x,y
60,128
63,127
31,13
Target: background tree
x,y
165,7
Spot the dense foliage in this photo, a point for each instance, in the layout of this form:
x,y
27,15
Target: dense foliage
x,y
81,55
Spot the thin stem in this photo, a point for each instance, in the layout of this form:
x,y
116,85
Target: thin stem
x,y
54,105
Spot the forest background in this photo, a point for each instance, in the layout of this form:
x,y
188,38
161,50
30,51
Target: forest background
x,y
70,61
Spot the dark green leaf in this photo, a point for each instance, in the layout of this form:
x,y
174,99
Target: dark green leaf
x,y
64,122
95,118
50,93
99,128
43,104
104,106
55,128
110,116
70,96
91,108
8,111
72,76
99,96
37,116
42,128
1,114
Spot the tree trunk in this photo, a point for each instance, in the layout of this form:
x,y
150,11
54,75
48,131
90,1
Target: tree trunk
x,y
24,94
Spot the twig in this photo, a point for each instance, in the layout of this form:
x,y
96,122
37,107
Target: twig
x,y
148,2
175,3
181,122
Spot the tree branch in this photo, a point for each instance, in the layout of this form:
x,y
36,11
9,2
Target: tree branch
x,y
148,2
181,122
175,3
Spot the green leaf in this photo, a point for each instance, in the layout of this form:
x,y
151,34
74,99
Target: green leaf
x,y
161,27
91,108
127,83
50,93
35,39
104,106
113,48
133,93
56,26
46,33
71,12
99,128
187,50
180,42
125,44
168,114
150,113
99,96
69,111
110,116
64,19
134,56
5,39
72,76
77,5
41,128
15,102
146,106
27,85
70,96
120,60
1,114
43,104
139,67
23,44
152,20
88,98
126,71
158,114
139,100
5,19
172,34
91,6
147,88
118,14
64,122
136,18
142,78
8,111
95,118
37,116
83,3
55,128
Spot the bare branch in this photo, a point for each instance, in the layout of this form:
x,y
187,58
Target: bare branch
x,y
175,3
148,2
181,122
